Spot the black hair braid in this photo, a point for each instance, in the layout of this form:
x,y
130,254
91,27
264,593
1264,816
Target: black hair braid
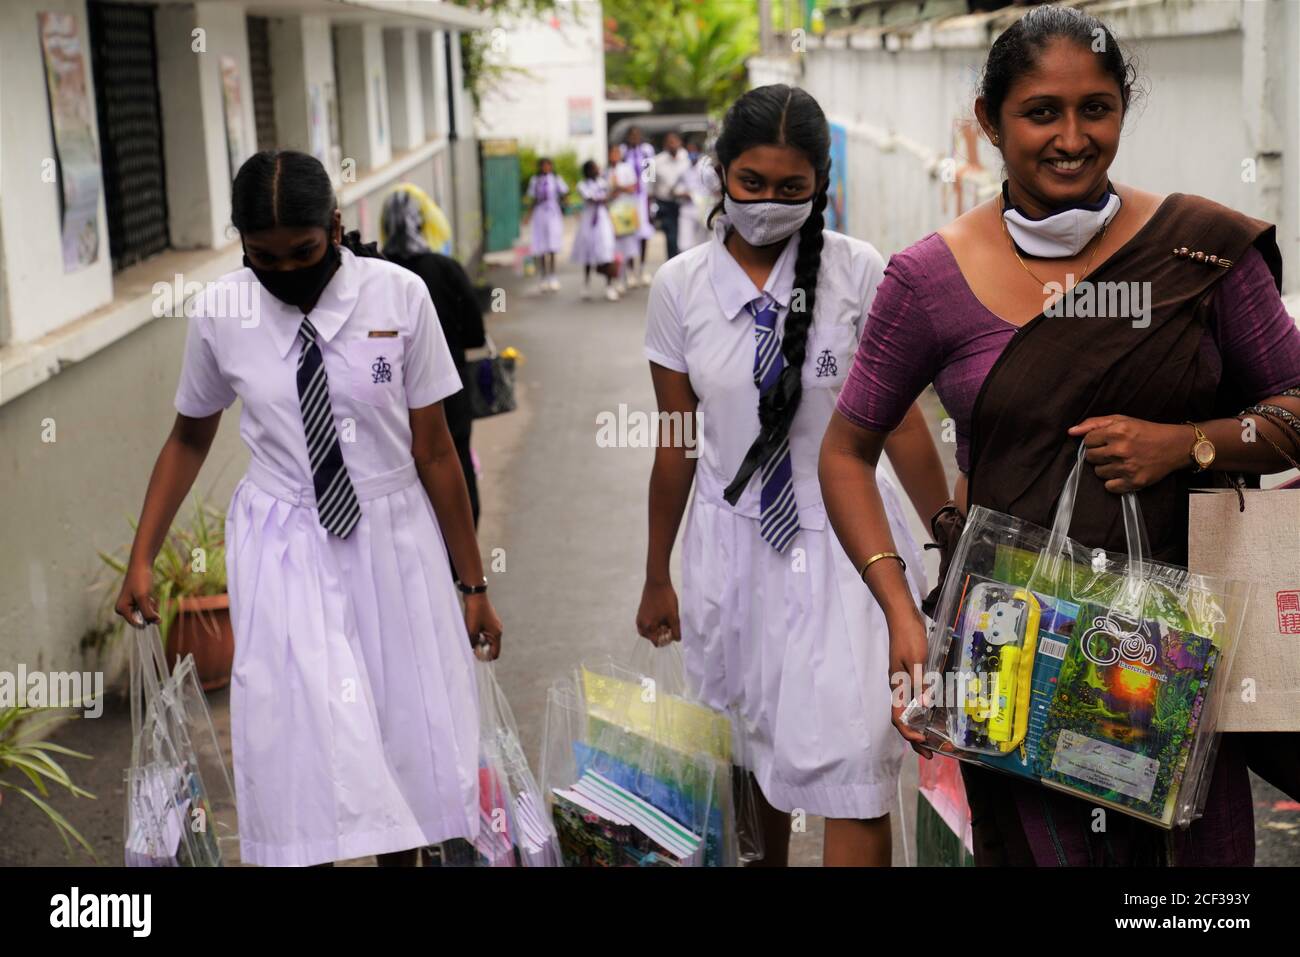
x,y
777,407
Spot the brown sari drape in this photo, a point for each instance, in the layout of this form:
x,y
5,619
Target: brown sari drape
x,y
1054,373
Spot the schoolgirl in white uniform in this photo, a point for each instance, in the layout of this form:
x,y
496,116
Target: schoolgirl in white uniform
x,y
640,157
621,179
693,194
774,620
353,714
593,244
546,190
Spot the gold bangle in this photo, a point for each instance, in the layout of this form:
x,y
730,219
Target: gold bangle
x,y
875,558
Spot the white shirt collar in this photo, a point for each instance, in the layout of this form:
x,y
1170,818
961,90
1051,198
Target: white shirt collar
x,y
336,303
734,288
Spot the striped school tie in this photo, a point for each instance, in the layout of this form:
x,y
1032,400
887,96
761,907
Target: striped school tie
x,y
336,500
778,513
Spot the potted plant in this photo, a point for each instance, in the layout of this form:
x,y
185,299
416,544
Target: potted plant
x,y
189,578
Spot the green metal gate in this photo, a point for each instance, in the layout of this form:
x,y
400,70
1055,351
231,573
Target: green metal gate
x,y
501,200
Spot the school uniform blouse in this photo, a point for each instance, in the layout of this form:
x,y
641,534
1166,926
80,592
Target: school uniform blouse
x,y
928,326
243,343
697,324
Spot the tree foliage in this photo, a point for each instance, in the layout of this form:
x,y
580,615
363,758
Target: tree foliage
x,y
679,49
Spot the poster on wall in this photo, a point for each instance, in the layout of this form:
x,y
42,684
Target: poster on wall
x,y
380,110
580,116
232,102
317,125
76,156
837,193
335,164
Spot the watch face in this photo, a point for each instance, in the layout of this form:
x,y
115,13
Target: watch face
x,y
1204,453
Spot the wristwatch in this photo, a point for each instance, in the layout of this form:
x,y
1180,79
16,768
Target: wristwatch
x,y
1202,450
472,589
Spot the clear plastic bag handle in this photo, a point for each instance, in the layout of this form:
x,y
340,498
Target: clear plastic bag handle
x,y
1048,566
148,669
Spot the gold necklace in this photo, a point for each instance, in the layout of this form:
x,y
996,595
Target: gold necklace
x,y
1086,269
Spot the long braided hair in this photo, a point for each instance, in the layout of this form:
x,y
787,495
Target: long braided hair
x,y
786,116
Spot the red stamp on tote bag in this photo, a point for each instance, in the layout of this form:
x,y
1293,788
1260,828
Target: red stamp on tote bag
x,y
1288,612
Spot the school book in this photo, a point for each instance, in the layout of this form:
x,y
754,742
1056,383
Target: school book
x,y
1127,707
602,824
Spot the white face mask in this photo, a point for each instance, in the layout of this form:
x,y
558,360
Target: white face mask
x,y
1060,234
762,222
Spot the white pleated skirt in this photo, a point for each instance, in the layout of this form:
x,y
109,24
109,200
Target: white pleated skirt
x,y
354,715
593,243
548,229
798,646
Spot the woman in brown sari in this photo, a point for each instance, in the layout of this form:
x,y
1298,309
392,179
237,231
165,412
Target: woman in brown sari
x,y
1171,324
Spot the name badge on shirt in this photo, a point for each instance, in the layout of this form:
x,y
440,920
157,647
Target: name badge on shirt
x,y
382,334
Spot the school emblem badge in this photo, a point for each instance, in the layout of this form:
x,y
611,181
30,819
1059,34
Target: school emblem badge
x,y
381,370
826,364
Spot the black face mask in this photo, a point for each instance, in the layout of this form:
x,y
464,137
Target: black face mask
x,y
300,286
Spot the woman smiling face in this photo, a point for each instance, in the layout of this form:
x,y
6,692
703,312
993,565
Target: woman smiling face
x,y
1058,128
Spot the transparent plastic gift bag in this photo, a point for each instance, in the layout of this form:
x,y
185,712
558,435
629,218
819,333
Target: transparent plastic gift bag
x,y
615,799
621,790
180,804
514,828
1096,673
648,690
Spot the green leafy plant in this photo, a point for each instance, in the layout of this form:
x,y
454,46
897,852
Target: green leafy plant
x,y
22,751
680,49
175,575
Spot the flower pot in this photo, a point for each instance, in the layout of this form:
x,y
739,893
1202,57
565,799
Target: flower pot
x,y
202,628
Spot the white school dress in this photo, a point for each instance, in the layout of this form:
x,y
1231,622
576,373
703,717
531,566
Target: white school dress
x,y
593,244
695,202
639,160
795,641
623,176
353,705
546,191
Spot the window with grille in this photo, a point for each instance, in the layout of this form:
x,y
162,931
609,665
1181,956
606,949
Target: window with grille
x,y
259,62
124,64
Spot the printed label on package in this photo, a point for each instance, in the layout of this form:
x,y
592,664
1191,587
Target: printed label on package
x,y
1105,765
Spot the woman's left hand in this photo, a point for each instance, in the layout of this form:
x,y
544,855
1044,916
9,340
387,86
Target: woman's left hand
x,y
1129,454
484,627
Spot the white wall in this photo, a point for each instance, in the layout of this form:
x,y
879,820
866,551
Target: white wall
x,y
302,80
29,213
563,62
1222,88
363,95
198,165
405,106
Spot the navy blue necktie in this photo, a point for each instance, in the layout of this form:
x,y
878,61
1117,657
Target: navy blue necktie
x,y
778,514
336,499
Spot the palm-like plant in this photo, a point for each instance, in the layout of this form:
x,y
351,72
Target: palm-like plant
x,y
687,49
20,750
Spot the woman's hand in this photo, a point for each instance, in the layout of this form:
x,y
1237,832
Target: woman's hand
x,y
1130,454
484,627
656,619
135,602
908,651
